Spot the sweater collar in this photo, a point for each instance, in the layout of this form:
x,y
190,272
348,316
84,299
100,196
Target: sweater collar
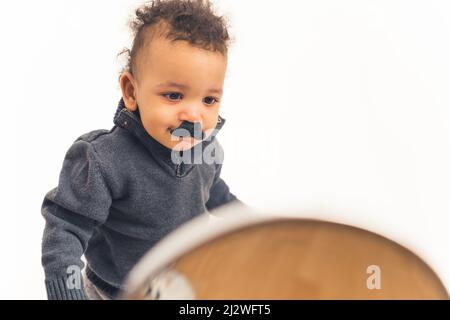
x,y
168,159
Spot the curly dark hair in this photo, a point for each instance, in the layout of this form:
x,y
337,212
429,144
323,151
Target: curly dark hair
x,y
193,21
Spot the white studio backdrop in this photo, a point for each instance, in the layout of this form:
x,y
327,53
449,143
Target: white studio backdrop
x,y
335,109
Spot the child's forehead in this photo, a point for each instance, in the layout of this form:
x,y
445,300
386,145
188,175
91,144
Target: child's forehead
x,y
164,48
180,57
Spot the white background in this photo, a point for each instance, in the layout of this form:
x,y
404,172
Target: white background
x,y
335,109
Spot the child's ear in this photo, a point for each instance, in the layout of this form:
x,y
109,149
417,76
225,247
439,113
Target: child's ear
x,y
128,90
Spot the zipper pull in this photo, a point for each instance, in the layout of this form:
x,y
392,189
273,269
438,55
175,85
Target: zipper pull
x,y
178,171
178,168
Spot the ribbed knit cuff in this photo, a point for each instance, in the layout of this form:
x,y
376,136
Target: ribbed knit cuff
x,y
57,290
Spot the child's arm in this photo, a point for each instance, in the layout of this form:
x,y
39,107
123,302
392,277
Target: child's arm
x,y
72,211
220,192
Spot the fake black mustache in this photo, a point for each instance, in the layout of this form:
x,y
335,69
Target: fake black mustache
x,y
189,129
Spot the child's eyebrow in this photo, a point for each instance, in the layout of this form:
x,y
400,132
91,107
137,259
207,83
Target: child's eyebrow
x,y
183,86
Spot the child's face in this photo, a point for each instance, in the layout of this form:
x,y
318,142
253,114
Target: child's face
x,y
175,82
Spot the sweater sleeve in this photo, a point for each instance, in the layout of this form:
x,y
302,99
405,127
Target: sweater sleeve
x,y
72,211
220,192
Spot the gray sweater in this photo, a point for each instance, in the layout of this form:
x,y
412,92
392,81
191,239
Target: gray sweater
x,y
119,193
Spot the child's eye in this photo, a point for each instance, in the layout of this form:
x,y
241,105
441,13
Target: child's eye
x,y
210,100
175,96
172,96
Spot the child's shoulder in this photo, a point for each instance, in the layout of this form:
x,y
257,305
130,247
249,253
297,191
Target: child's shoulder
x,y
93,135
105,146
103,137
106,143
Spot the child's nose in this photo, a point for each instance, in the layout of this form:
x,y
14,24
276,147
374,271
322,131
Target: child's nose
x,y
192,113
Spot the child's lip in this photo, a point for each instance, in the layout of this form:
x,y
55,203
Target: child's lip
x,y
171,129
